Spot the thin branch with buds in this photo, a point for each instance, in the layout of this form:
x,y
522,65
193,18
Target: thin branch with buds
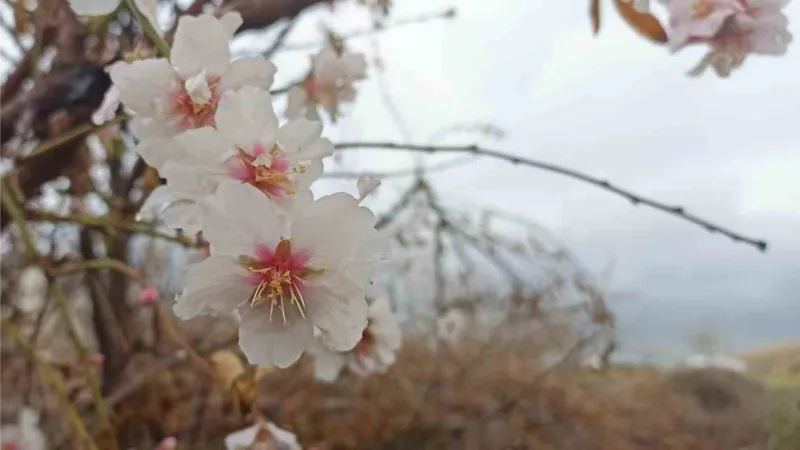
x,y
636,199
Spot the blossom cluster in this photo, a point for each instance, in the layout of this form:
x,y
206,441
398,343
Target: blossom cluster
x,y
732,29
292,269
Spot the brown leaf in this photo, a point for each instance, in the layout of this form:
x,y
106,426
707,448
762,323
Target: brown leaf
x,y
594,13
645,24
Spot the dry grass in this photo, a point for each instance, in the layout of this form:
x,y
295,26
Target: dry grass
x,y
466,399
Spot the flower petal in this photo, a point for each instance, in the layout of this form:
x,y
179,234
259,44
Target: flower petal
x,y
298,133
246,117
215,285
108,109
334,227
231,20
296,103
257,72
201,42
337,307
273,342
327,364
202,146
183,215
142,83
239,216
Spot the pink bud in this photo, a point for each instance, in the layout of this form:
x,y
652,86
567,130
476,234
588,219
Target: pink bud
x,y
149,295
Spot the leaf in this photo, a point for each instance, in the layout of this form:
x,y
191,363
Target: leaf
x,y
594,13
644,23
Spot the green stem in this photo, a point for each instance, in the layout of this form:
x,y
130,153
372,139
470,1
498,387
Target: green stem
x,y
149,29
14,210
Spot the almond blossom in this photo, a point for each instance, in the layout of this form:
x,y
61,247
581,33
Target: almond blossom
x,y
25,434
182,93
247,146
285,273
329,85
374,353
732,28
263,435
103,7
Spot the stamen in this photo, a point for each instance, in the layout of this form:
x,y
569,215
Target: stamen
x,y
282,276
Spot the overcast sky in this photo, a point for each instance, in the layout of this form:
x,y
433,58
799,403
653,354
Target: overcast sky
x,y
619,107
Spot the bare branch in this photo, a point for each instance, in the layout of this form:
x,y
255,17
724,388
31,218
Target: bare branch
x,y
636,199
416,171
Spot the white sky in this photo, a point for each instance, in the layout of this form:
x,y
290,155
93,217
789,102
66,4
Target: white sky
x,y
619,107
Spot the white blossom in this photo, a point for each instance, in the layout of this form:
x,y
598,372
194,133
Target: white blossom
x,y
732,28
182,93
262,436
374,353
329,85
25,434
247,146
285,272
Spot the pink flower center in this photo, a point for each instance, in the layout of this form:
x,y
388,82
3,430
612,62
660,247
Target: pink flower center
x,y
271,172
193,114
279,276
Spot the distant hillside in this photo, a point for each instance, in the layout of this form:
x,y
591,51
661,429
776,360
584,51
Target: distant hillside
x,y
778,363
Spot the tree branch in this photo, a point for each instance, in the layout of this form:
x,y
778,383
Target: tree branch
x,y
636,199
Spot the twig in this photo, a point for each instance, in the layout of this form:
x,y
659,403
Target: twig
x,y
104,222
18,216
285,89
176,337
55,380
103,412
98,264
390,215
636,199
70,136
131,386
280,38
416,171
149,29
